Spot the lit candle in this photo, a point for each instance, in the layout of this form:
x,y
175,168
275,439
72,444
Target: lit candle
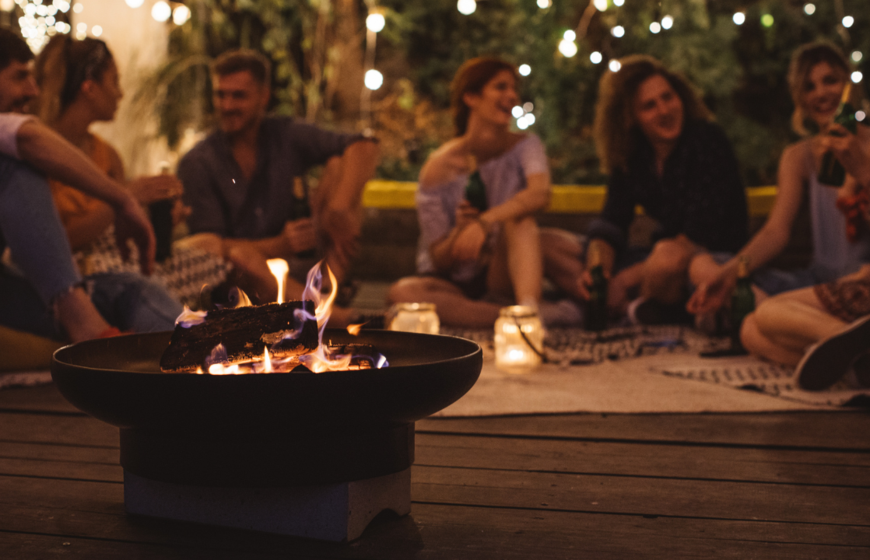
x,y
414,317
519,337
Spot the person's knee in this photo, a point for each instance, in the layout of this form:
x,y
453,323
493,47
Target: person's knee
x,y
668,258
767,316
750,335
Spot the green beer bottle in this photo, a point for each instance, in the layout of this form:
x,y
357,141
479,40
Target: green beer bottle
x,y
596,307
475,190
832,172
742,301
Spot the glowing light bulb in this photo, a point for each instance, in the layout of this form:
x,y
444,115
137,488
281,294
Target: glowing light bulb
x,y
809,9
96,31
618,3
522,123
82,27
767,20
530,119
618,31
525,69
161,11
466,7
614,66
857,56
134,3
544,4
848,21
374,79
739,18
78,8
567,48
857,77
375,22
569,35
667,22
600,5
180,15
655,27
517,111
596,57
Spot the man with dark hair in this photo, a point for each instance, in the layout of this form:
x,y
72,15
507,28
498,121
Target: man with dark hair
x,y
244,182
50,292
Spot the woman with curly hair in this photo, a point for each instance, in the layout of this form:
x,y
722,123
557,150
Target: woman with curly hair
x,y
658,144
473,260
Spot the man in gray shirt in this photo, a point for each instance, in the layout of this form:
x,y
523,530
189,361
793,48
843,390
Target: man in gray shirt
x,y
244,182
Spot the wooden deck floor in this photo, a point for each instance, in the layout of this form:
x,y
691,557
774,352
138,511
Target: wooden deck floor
x,y
784,485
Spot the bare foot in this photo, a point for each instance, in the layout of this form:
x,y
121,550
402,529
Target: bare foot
x,y
78,317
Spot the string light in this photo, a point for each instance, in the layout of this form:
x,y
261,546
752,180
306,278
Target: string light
x,y
618,31
600,5
618,3
848,21
569,35
7,5
857,77
544,4
767,20
96,31
667,22
78,8
809,9
376,22
466,7
517,111
134,3
655,27
860,116
739,18
374,79
161,11
567,48
180,15
857,56
525,69
596,57
614,66
528,106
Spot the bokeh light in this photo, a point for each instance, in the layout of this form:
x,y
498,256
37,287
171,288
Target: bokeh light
x,y
376,22
466,7
618,31
567,48
848,21
667,22
809,9
655,27
596,57
161,11
614,66
374,79
524,69
739,18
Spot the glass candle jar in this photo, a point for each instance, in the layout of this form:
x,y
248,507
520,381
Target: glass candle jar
x,y
414,317
517,329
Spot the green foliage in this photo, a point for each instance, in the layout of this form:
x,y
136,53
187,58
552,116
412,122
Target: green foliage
x,y
741,70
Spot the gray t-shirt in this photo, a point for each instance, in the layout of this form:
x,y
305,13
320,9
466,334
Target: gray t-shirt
x,y
503,176
222,201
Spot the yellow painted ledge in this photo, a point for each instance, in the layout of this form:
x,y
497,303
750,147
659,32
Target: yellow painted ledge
x,y
565,199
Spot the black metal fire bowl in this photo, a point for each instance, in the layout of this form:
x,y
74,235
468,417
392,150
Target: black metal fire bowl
x,y
266,429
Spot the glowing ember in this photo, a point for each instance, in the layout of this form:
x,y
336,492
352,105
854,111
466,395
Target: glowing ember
x,y
279,269
355,329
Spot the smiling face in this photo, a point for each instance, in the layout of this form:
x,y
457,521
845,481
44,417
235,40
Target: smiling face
x,y
17,87
821,92
240,101
658,110
494,102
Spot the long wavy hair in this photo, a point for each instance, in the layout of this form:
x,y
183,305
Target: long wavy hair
x,y
61,69
471,77
803,60
617,136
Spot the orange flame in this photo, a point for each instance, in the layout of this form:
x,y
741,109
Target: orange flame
x,y
355,329
267,361
279,269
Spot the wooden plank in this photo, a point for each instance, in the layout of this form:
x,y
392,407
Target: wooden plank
x,y
56,429
43,398
643,496
93,511
846,430
674,461
570,457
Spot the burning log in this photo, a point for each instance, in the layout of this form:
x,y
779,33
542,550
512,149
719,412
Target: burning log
x,y
286,329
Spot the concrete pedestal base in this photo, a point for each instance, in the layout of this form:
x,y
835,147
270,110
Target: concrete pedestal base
x,y
333,512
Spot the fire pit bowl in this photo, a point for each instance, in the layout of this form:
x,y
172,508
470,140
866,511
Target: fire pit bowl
x,y
266,429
